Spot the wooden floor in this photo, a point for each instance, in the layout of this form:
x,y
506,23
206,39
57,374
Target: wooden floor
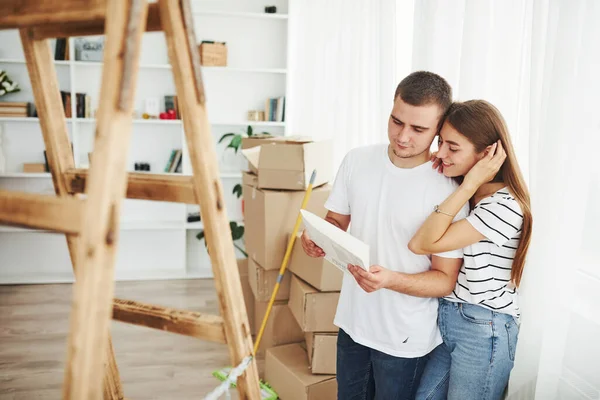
x,y
152,364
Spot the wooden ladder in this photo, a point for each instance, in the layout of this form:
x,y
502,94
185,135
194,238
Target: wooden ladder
x,y
91,222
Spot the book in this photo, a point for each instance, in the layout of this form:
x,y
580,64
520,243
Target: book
x,y
340,247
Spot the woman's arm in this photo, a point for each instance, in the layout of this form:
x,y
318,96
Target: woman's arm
x,y
438,233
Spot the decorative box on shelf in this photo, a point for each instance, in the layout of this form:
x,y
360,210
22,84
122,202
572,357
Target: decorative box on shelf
x,y
213,54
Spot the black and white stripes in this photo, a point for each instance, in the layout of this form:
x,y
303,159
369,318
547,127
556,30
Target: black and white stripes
x,y
484,278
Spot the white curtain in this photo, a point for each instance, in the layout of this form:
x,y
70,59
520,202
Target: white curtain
x,y
341,61
538,61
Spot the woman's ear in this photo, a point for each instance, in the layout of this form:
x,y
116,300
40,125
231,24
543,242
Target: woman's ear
x,y
484,152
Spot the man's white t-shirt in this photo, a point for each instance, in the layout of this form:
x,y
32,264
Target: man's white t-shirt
x,y
387,205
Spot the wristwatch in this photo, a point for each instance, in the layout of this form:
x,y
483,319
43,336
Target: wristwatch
x,y
437,210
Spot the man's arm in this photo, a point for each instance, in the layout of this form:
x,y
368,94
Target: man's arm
x,y
340,220
437,282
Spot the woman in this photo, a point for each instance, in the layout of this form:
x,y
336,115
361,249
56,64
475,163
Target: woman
x,y
479,321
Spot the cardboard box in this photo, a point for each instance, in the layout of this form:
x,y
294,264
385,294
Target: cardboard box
x,y
288,162
281,326
270,216
257,139
287,371
317,272
250,179
314,311
247,291
263,281
322,352
253,141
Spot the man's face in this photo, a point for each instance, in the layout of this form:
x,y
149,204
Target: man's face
x,y
411,129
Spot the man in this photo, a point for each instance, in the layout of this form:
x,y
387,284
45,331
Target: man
x,y
387,191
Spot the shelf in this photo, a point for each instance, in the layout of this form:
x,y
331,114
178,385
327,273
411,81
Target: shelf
x,y
137,121
100,64
178,122
16,61
125,226
194,225
26,175
150,225
204,68
11,175
242,15
231,175
245,123
249,70
25,119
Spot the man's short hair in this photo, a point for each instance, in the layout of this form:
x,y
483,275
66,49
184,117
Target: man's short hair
x,y
423,88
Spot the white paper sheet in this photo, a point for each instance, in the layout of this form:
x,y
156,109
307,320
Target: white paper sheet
x,y
341,248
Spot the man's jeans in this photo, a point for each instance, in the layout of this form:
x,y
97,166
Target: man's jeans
x,y
365,374
477,355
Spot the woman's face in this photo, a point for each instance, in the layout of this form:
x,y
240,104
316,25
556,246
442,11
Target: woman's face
x,y
458,154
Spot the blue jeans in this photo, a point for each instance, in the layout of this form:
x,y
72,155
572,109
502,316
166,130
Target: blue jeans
x,y
477,355
365,374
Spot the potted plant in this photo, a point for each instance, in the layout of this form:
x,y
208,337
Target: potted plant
x,y
7,85
237,230
235,140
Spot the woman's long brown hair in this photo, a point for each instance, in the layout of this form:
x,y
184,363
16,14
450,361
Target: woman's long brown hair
x,y
482,124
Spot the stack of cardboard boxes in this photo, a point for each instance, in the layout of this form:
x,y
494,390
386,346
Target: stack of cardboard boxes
x,y
299,340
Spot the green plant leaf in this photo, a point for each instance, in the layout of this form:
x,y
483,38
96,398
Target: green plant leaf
x,y
225,136
249,131
241,250
237,231
237,190
235,142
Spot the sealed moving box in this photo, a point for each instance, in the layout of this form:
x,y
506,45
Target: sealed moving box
x,y
247,291
262,282
322,352
317,272
287,371
281,326
313,310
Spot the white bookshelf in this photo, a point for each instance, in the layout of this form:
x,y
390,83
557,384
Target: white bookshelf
x,y
156,241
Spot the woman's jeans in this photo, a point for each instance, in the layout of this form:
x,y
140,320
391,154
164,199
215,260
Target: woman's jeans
x,y
476,357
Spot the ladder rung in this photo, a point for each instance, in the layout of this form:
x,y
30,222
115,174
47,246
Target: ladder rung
x,y
76,26
60,214
173,188
189,323
21,14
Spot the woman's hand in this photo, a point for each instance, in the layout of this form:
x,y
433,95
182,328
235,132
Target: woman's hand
x,y
486,169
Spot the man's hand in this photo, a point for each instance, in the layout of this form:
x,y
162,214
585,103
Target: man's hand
x,y
310,248
376,278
